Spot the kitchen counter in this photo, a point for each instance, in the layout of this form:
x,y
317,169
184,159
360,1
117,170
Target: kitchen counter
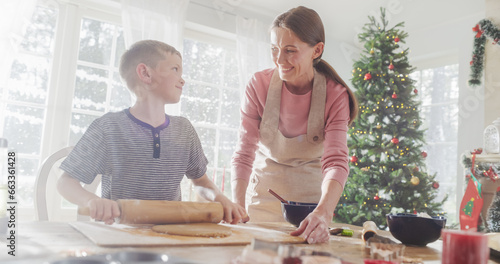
x,y
47,241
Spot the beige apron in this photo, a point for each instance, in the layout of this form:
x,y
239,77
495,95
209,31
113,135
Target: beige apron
x,y
289,166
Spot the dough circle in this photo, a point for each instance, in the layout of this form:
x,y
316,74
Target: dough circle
x,y
196,229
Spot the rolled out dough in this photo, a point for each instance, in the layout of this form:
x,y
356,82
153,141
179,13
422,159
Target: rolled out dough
x,y
195,229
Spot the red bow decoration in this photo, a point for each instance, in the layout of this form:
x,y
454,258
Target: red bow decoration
x,y
477,151
491,173
478,30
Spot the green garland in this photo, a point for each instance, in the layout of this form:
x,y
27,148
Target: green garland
x,y
484,28
480,168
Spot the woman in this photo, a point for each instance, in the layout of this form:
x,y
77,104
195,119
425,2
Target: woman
x,y
293,132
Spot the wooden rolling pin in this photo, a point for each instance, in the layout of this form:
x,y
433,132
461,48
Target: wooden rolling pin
x,y
165,212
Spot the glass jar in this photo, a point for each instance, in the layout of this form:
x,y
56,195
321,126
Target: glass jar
x,y
491,138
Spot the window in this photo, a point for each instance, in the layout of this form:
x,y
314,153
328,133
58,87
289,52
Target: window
x,y
98,88
438,91
23,99
210,100
52,97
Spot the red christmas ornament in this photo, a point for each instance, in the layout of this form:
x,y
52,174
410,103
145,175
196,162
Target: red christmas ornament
x,y
394,95
471,62
368,76
415,91
435,185
391,66
424,154
416,169
354,159
376,197
396,39
395,141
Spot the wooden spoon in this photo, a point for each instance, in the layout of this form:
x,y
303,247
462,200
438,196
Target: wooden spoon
x,y
277,196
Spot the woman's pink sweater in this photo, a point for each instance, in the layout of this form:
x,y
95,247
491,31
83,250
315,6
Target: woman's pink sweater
x,y
294,112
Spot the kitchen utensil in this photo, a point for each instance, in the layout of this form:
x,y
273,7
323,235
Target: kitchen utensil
x,y
411,229
165,212
369,229
277,196
341,231
295,212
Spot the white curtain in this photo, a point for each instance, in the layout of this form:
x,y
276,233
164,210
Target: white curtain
x,y
161,20
15,15
253,48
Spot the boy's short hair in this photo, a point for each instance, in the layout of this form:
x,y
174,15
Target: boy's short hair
x,y
149,52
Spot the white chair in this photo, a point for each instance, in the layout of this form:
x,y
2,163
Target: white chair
x,y
40,195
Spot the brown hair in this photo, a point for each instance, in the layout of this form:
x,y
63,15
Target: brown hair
x,y
308,27
149,52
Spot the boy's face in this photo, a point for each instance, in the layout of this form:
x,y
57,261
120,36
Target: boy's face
x,y
167,79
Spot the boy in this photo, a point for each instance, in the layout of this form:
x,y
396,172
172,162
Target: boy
x,y
141,152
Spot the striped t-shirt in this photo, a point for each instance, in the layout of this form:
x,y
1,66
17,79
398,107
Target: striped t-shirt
x,y
136,160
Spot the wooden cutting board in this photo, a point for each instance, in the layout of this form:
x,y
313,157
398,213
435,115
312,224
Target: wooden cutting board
x,y
124,235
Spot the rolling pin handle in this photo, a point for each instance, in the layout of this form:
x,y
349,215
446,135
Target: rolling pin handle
x,y
84,211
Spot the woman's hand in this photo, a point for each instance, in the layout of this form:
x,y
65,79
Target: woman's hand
x,y
314,228
103,210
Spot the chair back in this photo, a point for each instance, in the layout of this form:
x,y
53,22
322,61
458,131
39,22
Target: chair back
x,y
40,191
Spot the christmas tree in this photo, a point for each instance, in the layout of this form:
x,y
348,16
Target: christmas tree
x,y
387,163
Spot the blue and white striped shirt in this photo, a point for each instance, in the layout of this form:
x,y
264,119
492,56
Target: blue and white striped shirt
x,y
136,160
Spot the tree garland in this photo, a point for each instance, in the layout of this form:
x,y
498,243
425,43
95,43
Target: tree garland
x,y
484,28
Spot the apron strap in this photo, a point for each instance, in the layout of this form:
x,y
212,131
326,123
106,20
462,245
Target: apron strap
x,y
271,115
316,120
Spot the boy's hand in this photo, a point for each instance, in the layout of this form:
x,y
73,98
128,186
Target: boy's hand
x,y
103,210
233,213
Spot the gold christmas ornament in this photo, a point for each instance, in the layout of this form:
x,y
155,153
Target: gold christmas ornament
x,y
414,180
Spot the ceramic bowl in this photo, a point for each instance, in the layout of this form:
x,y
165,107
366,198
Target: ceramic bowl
x,y
295,212
415,230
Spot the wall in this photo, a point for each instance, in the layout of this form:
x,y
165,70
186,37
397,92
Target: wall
x,y
492,67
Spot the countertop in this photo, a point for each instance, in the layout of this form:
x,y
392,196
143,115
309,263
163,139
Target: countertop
x,y
39,242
